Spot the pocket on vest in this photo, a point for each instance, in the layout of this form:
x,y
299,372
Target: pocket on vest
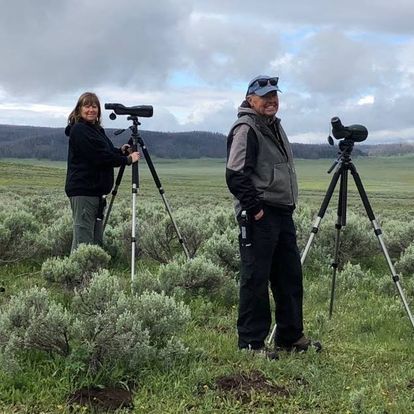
x,y
280,187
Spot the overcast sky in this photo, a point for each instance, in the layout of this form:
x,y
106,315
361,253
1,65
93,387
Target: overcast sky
x,y
192,60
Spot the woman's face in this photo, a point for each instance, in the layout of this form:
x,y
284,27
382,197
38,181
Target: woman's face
x,y
89,112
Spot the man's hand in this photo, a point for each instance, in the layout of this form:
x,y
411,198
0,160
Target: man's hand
x,y
259,215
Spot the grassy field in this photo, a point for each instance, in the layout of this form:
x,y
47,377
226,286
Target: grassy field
x,y
367,365
388,181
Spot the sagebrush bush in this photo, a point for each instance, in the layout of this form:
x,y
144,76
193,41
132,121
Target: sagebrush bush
x,y
145,280
117,241
115,329
161,316
304,219
104,331
398,235
56,238
405,264
219,220
32,320
357,238
352,275
108,330
18,232
77,269
158,240
46,209
194,227
223,249
318,261
198,276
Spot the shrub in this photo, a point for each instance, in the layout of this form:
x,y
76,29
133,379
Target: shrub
x,y
198,276
47,209
352,274
76,269
146,281
104,332
220,219
18,231
194,228
31,320
158,240
56,238
117,241
117,330
406,263
161,316
223,249
398,235
304,219
318,261
357,239
109,331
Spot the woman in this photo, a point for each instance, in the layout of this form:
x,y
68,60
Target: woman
x,y
90,173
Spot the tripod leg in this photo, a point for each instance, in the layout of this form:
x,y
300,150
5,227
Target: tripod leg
x,y
322,210
378,233
114,193
162,193
341,221
135,186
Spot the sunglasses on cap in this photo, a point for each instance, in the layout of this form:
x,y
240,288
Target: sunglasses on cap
x,y
261,83
265,82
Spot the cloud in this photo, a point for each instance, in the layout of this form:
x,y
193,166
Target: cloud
x,y
51,47
192,59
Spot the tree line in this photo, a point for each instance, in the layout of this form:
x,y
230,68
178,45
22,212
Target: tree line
x,y
52,143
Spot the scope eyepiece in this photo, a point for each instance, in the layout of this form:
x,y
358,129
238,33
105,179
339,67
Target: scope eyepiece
x,y
356,133
145,111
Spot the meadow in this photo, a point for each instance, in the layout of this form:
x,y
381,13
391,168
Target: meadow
x,y
366,366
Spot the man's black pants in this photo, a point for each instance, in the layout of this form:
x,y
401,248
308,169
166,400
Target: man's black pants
x,y
273,257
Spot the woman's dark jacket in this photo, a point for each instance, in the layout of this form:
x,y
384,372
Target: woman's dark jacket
x,y
91,160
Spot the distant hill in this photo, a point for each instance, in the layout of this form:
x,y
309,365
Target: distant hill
x,y
51,143
388,149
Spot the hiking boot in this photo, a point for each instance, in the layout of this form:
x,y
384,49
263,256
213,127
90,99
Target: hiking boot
x,y
263,353
301,345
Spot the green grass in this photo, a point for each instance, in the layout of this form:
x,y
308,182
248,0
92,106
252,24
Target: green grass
x,y
367,365
388,181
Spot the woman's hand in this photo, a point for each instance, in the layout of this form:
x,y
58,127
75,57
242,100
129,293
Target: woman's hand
x,y
126,149
135,156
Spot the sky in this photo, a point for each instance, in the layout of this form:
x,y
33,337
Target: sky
x,y
192,60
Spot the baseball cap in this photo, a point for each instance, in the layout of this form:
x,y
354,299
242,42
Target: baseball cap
x,y
261,85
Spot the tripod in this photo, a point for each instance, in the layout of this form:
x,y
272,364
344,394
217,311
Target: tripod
x,y
137,139
343,165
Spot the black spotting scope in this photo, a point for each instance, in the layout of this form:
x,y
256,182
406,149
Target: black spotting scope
x,y
145,111
356,133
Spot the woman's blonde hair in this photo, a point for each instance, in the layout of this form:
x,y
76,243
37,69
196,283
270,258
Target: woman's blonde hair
x,y
87,98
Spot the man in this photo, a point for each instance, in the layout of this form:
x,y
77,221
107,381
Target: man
x,y
261,176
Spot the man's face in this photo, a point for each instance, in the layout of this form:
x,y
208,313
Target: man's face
x,y
266,105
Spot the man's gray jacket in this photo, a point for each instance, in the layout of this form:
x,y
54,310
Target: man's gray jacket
x,y
260,166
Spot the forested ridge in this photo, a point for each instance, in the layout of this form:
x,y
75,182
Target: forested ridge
x,y
51,143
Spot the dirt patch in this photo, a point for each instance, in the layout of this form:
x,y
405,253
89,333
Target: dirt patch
x,y
241,385
106,399
411,384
